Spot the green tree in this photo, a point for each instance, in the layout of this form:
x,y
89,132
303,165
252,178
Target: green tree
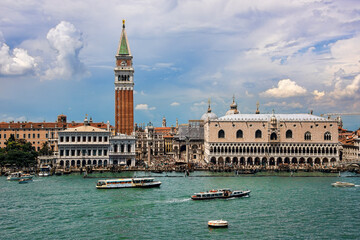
x,y
2,157
18,152
45,150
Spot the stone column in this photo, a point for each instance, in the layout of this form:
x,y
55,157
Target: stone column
x,y
187,150
149,152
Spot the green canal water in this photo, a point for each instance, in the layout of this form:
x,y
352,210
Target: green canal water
x,y
70,207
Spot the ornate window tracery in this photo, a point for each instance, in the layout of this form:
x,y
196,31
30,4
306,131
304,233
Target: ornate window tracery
x,y
327,136
307,136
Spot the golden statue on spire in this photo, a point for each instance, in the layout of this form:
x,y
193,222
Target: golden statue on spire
x,y
209,108
257,108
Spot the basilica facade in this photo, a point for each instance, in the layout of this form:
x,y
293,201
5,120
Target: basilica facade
x,y
270,139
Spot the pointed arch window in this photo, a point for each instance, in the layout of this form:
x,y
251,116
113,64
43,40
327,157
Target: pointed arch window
x,y
221,134
273,136
289,134
307,136
258,134
327,136
239,134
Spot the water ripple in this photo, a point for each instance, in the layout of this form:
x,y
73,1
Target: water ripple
x,y
69,207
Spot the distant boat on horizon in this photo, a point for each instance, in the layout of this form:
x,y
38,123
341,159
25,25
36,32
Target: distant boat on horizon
x,y
343,184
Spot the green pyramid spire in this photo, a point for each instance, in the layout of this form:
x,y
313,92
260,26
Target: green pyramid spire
x,y
123,46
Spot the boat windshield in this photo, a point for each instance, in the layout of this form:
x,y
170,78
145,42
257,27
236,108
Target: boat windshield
x,y
101,183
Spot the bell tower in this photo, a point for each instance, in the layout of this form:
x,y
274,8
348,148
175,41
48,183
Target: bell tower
x,y
124,86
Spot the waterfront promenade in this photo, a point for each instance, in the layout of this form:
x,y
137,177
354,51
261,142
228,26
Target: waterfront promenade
x,y
187,168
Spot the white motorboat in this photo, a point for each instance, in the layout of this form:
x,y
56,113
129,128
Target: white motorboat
x,y
16,176
343,184
127,183
44,171
218,224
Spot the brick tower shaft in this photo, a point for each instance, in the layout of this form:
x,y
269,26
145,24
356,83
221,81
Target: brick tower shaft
x,y
124,87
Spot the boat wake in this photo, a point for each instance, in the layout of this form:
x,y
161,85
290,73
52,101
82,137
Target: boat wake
x,y
357,185
178,200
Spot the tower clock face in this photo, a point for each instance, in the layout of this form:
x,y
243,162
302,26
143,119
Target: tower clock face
x,y
123,63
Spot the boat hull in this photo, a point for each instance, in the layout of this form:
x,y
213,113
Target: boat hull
x,y
217,226
22,181
153,185
342,184
45,174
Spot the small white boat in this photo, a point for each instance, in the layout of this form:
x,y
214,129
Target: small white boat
x,y
343,184
44,171
127,183
18,175
218,224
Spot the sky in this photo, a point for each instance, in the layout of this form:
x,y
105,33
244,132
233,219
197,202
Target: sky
x,y
58,57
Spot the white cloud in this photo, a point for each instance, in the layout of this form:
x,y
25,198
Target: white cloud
x,y
175,104
141,107
158,66
286,88
346,89
202,103
318,95
7,118
346,55
248,94
260,41
284,104
67,41
18,62
144,107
